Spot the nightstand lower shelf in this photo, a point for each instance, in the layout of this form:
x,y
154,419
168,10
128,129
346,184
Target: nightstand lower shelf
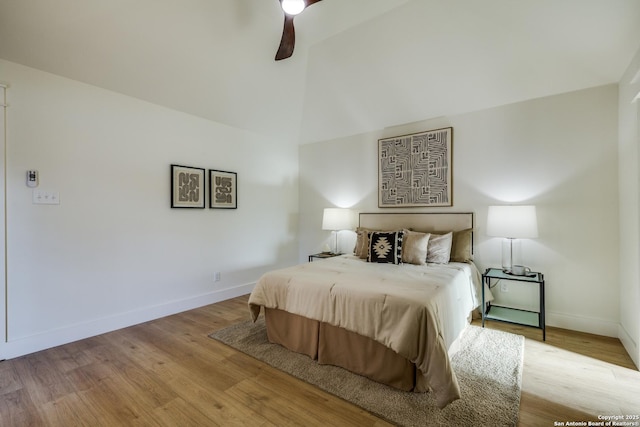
x,y
512,315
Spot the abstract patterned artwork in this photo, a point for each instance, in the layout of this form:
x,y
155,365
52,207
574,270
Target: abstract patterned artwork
x,y
415,170
223,190
187,187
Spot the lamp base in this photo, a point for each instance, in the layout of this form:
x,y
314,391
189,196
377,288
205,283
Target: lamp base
x,y
511,254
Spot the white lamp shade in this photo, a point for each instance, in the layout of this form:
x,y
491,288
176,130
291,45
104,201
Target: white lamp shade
x,y
293,7
338,219
513,222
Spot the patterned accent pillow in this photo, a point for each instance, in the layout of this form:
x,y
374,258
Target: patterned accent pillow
x,y
385,247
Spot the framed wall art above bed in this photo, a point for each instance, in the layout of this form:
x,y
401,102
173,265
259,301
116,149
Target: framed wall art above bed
x,y
416,170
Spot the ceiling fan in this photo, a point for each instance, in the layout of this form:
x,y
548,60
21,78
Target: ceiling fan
x,y
291,8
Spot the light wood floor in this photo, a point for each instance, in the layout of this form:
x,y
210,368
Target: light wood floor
x,y
169,373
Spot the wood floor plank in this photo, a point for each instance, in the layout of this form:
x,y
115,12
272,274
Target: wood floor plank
x,y
63,412
168,372
9,379
217,406
134,381
328,411
115,405
17,409
39,378
181,413
278,409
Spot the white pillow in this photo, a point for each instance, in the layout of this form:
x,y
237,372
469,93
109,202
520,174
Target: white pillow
x,y
439,248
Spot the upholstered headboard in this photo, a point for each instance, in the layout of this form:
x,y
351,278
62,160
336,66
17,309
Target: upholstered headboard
x,y
433,222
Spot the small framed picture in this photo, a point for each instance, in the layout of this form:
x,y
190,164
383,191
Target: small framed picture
x,y
187,187
223,190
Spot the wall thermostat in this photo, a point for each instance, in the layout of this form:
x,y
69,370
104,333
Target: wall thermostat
x,y
32,179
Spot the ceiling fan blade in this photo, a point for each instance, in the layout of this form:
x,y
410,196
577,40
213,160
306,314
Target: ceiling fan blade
x,y
288,39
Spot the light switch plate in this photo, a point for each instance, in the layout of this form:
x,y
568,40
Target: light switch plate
x,y
41,197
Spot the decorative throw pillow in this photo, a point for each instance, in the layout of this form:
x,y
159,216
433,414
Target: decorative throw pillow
x,y
385,247
461,245
414,247
362,243
439,249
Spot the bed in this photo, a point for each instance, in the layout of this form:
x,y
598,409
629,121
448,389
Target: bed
x,y
397,324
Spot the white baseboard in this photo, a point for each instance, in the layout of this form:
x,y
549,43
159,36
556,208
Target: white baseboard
x,y
630,345
589,325
80,331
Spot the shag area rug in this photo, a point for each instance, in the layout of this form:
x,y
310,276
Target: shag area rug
x,y
488,368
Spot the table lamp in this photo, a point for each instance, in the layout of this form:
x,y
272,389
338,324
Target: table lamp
x,y
511,222
336,219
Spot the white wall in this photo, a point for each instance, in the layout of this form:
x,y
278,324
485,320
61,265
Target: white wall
x,y
559,153
114,253
3,318
629,158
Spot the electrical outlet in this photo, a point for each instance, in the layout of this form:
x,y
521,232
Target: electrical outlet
x,y
216,276
503,287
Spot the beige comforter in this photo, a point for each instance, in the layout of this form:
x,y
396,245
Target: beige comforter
x,y
417,311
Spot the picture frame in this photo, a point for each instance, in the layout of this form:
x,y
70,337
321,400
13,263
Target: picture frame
x,y
416,170
223,189
188,187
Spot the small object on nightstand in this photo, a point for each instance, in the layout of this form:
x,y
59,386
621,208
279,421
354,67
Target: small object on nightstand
x,y
509,314
322,255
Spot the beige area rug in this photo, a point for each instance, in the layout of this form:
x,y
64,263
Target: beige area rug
x,y
488,368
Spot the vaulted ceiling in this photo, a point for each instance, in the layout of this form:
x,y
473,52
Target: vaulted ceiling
x,y
359,65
